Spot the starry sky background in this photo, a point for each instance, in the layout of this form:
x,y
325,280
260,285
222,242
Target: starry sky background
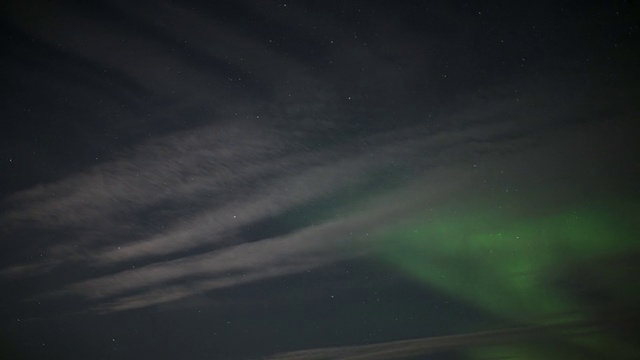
x,y
243,179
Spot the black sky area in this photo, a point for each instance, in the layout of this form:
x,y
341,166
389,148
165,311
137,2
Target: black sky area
x,y
217,179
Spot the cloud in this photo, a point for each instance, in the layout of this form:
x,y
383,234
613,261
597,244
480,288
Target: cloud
x,y
165,217
171,214
169,219
514,337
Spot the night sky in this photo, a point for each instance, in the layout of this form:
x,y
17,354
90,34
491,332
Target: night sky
x,y
320,180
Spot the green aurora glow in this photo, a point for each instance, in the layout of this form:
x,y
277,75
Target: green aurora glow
x,y
507,261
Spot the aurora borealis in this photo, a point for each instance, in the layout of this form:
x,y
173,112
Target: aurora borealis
x,y
514,263
249,179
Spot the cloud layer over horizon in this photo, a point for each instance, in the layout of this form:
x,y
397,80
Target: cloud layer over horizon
x,y
181,214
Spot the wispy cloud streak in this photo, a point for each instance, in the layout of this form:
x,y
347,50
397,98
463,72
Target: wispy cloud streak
x,y
439,344
102,212
173,214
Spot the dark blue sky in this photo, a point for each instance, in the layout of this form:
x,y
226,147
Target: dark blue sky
x,y
213,179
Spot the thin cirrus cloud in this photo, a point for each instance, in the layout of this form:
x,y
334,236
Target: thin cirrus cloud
x,y
168,220
175,214
212,188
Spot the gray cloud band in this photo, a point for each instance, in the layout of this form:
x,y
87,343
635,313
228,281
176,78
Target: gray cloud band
x,y
163,220
101,206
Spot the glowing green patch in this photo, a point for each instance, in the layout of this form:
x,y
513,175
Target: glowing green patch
x,y
509,261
